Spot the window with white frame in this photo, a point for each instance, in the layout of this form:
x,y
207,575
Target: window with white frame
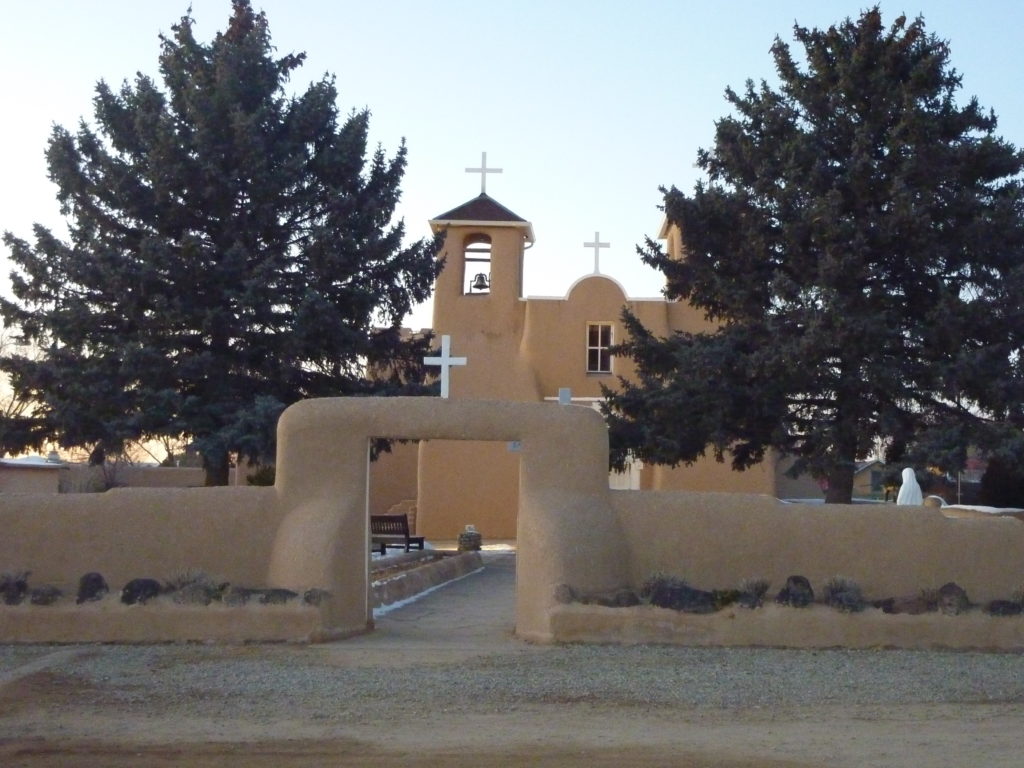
x,y
599,341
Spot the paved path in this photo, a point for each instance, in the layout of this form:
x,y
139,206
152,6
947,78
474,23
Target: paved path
x,y
476,611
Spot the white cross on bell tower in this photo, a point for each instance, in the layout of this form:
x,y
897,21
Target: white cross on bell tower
x,y
597,245
446,361
483,170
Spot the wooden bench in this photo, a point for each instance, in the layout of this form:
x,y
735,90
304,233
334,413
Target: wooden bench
x,y
392,531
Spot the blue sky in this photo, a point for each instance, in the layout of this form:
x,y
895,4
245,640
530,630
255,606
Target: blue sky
x,y
587,106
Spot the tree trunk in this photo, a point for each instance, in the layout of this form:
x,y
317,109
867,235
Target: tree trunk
x,y
840,484
217,469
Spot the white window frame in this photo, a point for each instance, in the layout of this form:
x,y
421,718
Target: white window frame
x,y
600,349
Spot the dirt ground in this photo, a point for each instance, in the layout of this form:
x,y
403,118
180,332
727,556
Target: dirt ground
x,y
575,737
106,707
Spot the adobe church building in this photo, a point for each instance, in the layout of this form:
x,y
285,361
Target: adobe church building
x,y
528,349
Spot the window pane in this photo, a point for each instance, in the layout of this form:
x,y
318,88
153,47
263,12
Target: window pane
x,y
599,338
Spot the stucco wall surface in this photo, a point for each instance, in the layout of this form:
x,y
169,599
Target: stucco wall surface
x,y
555,338
714,540
776,626
310,530
468,483
710,475
111,622
129,533
15,479
566,528
161,477
81,478
393,477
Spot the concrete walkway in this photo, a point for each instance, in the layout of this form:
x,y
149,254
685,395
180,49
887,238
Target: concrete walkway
x,y
474,615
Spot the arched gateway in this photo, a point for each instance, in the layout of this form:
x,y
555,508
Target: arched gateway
x,y
567,529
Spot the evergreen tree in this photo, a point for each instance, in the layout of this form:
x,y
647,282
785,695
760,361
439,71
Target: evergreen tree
x,y
858,242
232,250
1002,485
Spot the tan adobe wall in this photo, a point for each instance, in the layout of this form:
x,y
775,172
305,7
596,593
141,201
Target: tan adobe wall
x,y
684,316
129,533
526,350
393,477
81,478
566,528
555,338
39,479
554,342
468,483
459,484
710,475
311,530
714,540
109,621
816,626
164,477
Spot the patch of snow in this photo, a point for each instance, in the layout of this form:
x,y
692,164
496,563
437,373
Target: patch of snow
x,y
855,500
986,510
32,461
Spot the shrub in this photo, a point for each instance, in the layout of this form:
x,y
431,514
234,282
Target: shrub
x,y
843,595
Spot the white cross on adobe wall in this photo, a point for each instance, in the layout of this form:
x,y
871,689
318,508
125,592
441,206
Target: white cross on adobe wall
x,y
446,361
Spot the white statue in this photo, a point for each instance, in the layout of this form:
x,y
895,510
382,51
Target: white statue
x,y
910,491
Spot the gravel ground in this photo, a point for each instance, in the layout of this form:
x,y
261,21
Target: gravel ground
x,y
450,658
485,670
307,682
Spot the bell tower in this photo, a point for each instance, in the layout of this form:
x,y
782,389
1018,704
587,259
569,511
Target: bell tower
x,y
481,284
478,302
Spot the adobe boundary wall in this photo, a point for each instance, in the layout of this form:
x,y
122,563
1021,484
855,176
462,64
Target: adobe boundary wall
x,y
129,533
774,626
311,530
715,540
109,620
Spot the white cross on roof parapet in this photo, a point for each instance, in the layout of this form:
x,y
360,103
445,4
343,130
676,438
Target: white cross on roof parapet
x,y
597,245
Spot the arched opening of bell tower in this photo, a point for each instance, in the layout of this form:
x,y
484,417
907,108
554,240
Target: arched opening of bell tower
x,y
476,264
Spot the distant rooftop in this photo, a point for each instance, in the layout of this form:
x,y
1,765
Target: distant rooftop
x,y
32,462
